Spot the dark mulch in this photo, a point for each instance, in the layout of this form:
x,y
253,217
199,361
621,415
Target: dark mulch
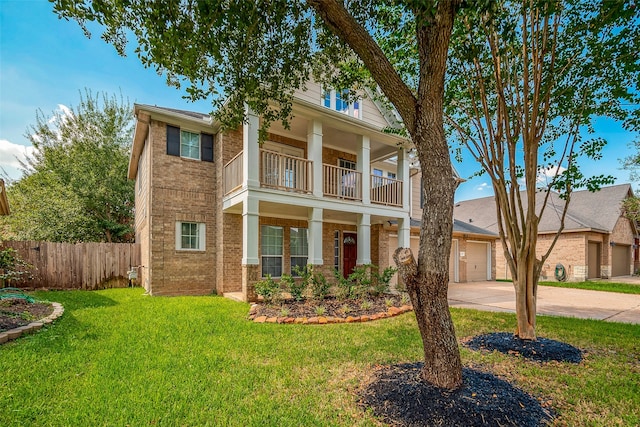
x,y
541,350
333,307
401,398
16,312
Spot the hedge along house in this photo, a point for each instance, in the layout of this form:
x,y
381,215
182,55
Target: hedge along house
x,y
216,211
597,241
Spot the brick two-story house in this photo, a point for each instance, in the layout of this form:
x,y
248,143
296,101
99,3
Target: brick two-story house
x,y
216,211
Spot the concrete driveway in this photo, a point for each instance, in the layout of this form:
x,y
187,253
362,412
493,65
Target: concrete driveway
x,y
583,304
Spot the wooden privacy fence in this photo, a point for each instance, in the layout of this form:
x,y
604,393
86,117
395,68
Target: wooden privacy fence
x,y
76,266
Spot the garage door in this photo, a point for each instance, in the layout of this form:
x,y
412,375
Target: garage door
x,y
415,246
477,265
620,262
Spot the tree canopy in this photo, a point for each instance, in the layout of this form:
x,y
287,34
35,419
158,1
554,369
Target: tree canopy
x,y
74,186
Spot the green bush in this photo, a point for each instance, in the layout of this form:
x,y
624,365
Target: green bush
x,y
268,289
12,267
319,286
363,281
297,288
381,281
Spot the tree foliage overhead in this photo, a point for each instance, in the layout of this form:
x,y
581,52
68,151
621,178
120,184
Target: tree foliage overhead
x,y
74,186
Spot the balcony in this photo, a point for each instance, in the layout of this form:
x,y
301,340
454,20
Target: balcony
x,y
294,174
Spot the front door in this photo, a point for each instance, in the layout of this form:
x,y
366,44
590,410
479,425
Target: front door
x,y
349,253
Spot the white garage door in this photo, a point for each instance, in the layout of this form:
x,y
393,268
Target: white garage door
x,y
477,261
620,262
415,247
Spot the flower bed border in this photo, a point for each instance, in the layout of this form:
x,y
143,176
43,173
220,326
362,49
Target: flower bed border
x,y
322,320
15,333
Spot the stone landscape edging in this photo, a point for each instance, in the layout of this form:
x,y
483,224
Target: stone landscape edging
x,y
15,333
322,320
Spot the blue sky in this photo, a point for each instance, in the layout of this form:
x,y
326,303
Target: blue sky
x,y
45,62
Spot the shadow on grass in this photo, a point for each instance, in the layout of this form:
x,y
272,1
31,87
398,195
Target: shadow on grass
x,y
77,300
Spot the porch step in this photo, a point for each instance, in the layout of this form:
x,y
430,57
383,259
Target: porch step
x,y
236,296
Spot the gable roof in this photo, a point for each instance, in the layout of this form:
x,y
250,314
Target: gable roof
x,y
458,227
596,211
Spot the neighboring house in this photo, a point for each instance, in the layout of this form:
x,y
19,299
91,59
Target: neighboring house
x,y
4,202
597,241
216,211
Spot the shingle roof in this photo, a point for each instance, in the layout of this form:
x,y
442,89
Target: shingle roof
x,y
597,210
458,226
192,114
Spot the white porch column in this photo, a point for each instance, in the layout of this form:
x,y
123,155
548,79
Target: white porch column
x,y
403,175
250,150
364,239
315,236
314,153
404,233
364,165
250,231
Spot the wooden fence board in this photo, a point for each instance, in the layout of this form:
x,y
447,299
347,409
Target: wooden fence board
x,y
76,266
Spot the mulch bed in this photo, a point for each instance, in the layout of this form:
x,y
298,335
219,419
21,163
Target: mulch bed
x,y
399,396
333,307
16,312
540,350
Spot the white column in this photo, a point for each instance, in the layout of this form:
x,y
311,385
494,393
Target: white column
x,y
364,239
403,175
364,165
404,233
251,150
314,153
315,236
250,231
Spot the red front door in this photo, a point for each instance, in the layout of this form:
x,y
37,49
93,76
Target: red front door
x,y
349,253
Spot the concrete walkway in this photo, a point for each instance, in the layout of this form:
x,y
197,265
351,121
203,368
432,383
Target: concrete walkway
x,y
583,304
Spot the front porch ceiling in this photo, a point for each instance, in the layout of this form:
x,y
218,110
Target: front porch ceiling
x,y
335,137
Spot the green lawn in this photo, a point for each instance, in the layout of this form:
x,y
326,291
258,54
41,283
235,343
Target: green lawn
x,y
623,288
119,358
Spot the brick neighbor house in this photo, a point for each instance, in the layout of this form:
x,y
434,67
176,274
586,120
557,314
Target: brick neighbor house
x,y
215,211
598,241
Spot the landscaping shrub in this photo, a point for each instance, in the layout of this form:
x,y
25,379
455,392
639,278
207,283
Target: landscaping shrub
x,y
268,289
297,288
319,286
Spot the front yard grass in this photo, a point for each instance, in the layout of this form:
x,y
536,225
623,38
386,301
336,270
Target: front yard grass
x,y
622,288
117,357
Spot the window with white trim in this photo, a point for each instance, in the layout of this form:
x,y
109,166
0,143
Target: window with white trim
x,y
347,164
336,250
271,238
298,247
190,236
338,101
189,144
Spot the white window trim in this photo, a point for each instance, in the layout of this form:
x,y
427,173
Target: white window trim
x,y
199,144
281,256
201,236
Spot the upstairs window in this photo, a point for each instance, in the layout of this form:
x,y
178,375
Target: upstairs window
x,y
190,145
338,101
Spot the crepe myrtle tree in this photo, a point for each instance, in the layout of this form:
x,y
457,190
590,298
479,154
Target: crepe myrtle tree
x,y
255,54
526,81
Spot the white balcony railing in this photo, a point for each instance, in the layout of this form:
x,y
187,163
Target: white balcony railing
x,y
341,182
386,191
285,172
233,174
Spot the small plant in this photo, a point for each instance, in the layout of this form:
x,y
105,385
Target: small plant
x,y
319,286
343,286
298,287
366,305
345,309
284,312
268,289
320,310
404,299
12,266
381,280
388,302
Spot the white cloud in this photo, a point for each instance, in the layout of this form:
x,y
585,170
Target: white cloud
x,y
483,186
10,156
546,174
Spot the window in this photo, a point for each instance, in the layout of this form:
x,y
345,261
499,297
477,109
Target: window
x,y
391,175
347,164
190,236
299,247
338,100
189,145
183,143
271,240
